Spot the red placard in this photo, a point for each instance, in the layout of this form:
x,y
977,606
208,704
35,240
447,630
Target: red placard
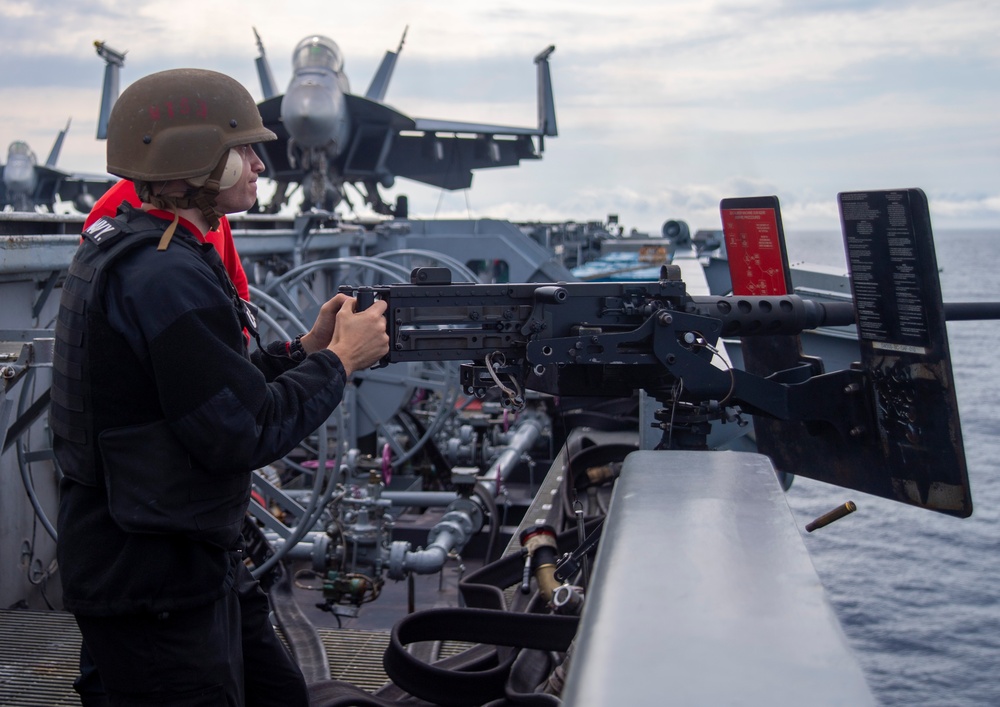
x,y
756,246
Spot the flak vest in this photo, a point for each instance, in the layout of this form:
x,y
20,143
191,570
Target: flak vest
x,y
153,484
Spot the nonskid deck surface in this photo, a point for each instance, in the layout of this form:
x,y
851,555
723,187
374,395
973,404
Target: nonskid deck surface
x,y
40,650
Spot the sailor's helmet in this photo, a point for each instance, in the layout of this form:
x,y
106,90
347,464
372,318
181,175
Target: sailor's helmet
x,y
179,124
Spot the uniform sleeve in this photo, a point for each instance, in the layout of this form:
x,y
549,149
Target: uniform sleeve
x,y
273,360
220,405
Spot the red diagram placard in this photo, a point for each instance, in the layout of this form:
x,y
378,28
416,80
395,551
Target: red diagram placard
x,y
754,245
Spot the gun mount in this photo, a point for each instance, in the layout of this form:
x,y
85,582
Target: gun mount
x,y
611,339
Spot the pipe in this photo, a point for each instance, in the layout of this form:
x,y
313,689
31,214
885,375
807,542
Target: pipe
x,y
313,546
421,499
464,517
404,499
526,433
452,532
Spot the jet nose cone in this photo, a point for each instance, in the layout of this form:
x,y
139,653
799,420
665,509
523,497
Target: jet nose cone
x,y
19,175
313,113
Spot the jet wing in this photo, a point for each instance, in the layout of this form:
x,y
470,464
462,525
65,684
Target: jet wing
x,y
447,161
444,153
376,126
83,190
368,112
431,125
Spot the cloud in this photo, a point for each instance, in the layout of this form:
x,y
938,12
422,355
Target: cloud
x,y
663,108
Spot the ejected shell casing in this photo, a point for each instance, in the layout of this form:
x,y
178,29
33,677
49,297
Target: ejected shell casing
x,y
836,514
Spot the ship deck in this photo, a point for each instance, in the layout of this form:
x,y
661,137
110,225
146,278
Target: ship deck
x,y
40,650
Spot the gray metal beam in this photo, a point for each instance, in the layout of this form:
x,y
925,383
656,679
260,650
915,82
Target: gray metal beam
x,y
703,593
32,255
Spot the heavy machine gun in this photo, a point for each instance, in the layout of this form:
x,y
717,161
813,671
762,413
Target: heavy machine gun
x,y
856,428
609,339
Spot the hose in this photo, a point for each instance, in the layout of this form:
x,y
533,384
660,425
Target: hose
x,y
303,639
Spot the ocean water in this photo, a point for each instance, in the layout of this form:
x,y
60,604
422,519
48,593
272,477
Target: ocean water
x,y
918,593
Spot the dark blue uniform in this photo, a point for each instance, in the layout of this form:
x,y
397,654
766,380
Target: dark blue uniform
x,y
159,415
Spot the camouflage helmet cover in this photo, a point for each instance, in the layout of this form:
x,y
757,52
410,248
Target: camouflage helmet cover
x,y
179,123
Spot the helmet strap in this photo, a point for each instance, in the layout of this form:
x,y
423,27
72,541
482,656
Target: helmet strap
x,y
169,233
204,196
201,198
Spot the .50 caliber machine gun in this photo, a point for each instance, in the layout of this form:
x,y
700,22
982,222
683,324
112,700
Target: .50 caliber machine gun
x,y
888,425
608,339
612,339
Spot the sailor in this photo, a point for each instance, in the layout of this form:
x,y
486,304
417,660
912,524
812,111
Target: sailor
x,y
160,412
221,237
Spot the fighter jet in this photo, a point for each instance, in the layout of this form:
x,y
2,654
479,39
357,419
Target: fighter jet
x,y
329,137
28,186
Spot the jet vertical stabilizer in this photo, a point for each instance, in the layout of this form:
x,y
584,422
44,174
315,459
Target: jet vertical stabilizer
x,y
114,61
264,70
380,81
546,102
53,157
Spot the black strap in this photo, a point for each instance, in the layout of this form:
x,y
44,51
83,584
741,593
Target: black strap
x,y
501,628
299,632
337,693
476,676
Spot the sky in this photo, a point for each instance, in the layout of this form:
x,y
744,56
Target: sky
x,y
664,107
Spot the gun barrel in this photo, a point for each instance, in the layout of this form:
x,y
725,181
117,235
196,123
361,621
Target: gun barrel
x,y
838,313
772,315
968,311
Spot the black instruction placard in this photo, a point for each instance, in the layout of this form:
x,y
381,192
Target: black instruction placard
x,y
904,346
893,267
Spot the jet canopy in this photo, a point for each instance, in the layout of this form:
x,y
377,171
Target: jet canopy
x,y
20,149
317,52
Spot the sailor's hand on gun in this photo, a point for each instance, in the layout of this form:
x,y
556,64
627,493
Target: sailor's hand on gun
x,y
359,338
318,338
